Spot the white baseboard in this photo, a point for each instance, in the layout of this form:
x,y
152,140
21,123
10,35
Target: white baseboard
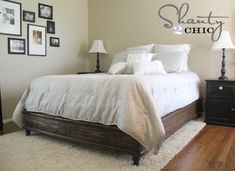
x,y
5,121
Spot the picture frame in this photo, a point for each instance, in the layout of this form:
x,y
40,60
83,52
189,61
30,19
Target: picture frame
x,y
54,42
51,27
10,18
29,16
45,11
36,40
16,46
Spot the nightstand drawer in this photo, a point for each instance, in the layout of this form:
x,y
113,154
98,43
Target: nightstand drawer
x,y
220,89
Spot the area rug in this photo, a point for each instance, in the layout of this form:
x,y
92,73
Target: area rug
x,y
42,153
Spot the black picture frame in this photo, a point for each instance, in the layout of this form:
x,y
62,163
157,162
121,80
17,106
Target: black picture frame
x,y
37,40
16,46
54,42
51,27
29,16
45,11
12,24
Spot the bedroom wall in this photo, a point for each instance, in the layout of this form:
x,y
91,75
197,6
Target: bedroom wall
x,y
128,23
16,71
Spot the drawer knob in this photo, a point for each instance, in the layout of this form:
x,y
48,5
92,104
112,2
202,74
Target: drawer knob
x,y
232,109
221,88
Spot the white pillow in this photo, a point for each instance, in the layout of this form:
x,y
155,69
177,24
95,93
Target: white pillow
x,y
153,67
135,57
172,48
175,48
149,48
117,68
172,62
141,57
120,57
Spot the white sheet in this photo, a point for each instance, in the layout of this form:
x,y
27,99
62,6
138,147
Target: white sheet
x,y
134,103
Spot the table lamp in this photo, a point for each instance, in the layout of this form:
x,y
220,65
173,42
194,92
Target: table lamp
x,y
98,47
223,43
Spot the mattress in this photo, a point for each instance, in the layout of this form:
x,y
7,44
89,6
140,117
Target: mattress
x,y
135,103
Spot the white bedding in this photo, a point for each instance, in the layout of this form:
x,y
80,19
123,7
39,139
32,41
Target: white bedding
x,y
135,103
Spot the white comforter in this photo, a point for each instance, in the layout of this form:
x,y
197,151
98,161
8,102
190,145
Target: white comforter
x,y
134,103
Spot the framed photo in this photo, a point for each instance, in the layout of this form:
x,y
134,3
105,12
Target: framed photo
x,y
51,27
45,11
54,42
36,40
16,46
29,16
10,18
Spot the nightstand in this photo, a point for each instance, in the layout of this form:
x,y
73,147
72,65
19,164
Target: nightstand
x,y
1,123
220,102
90,72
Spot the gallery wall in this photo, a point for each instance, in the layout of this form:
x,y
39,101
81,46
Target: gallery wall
x,y
71,26
127,23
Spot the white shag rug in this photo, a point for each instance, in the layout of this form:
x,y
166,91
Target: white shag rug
x,y
42,153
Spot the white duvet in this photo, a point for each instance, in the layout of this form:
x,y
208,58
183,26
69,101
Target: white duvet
x,y
134,103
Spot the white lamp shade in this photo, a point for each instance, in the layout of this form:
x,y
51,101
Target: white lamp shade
x,y
97,47
224,42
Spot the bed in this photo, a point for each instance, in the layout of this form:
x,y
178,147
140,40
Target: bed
x,y
127,113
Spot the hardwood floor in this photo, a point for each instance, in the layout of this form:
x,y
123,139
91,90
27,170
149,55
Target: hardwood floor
x,y
211,150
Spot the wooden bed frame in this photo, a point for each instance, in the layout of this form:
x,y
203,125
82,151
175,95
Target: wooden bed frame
x,y
103,136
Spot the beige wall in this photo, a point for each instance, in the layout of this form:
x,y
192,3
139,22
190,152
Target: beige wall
x,y
16,71
121,24
127,23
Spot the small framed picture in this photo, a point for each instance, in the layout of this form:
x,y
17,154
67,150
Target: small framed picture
x,y
10,18
54,41
29,16
45,11
16,46
51,27
36,40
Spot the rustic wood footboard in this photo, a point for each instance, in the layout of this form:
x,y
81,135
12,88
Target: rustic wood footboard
x,y
103,136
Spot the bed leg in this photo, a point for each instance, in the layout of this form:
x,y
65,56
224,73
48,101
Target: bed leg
x,y
136,159
199,109
27,132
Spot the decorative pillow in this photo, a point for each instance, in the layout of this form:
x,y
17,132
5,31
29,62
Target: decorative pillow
x,y
117,68
135,57
172,62
141,57
153,67
175,48
149,48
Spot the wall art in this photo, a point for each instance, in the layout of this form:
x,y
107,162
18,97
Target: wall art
x,y
36,40
29,16
54,41
45,11
16,46
10,18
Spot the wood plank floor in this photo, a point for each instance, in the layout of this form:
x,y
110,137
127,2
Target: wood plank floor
x,y
211,150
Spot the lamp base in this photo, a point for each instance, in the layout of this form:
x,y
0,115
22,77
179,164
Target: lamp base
x,y
223,78
223,70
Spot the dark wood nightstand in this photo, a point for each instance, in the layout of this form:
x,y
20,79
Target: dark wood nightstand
x,y
220,102
1,122
91,72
